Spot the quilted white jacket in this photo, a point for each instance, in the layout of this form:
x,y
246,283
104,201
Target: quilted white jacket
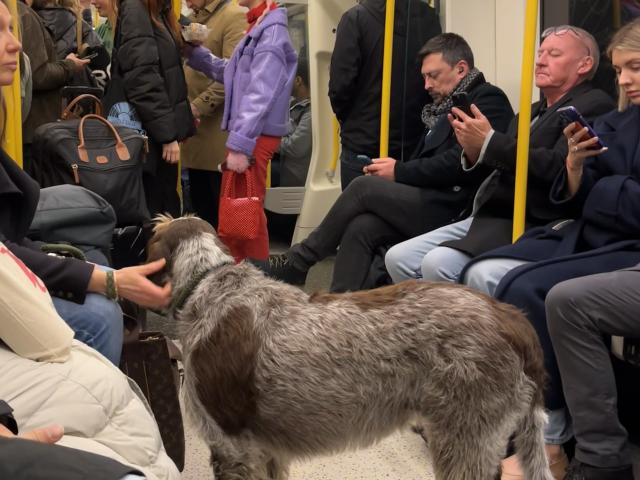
x,y
94,403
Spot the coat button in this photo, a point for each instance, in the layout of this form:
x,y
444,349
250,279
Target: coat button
x,y
457,188
69,295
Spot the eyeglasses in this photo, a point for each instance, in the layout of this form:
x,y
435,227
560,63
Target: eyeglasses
x,y
562,30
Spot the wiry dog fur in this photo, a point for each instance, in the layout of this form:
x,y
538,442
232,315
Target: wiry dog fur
x,y
272,374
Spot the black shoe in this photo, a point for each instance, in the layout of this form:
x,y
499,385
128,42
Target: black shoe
x,y
281,268
581,471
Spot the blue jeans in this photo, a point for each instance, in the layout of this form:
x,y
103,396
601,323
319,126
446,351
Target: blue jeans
x,y
97,322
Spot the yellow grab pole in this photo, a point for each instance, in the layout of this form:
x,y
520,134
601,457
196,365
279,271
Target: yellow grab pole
x,y
524,120
13,101
336,147
386,78
177,7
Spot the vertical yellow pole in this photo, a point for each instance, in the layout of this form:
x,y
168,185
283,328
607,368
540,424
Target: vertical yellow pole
x,y
336,147
386,78
177,9
524,120
11,94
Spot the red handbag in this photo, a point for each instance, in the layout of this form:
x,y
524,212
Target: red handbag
x,y
239,217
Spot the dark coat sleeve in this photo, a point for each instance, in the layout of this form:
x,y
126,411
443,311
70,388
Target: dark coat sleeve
x,y
444,169
546,160
48,73
345,65
139,64
39,461
66,278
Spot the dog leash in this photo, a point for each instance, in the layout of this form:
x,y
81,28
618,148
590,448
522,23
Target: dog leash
x,y
179,300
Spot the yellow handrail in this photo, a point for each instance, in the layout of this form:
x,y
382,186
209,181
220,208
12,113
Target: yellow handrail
x,y
336,148
524,120
386,78
13,121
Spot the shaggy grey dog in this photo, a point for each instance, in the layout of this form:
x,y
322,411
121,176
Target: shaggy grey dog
x,y
272,374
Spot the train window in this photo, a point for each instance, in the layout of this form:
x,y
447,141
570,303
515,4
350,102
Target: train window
x,y
599,17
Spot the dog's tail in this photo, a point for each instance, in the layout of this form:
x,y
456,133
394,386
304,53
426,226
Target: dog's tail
x,y
529,436
529,442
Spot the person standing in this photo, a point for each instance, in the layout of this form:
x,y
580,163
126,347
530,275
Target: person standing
x,y
205,151
258,80
355,80
147,81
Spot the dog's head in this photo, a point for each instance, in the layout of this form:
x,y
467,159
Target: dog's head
x,y
169,233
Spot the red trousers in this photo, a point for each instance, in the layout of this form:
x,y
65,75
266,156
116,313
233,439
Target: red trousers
x,y
257,248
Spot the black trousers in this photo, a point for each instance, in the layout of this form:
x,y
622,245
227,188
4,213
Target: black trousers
x,y
28,460
160,180
580,314
371,212
204,188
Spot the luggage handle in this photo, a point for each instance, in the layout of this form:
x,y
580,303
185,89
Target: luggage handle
x,y
68,110
121,148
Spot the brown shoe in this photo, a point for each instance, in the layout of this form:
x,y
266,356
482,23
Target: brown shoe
x,y
512,470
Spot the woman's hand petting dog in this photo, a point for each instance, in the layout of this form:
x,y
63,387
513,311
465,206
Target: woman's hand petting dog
x,y
132,283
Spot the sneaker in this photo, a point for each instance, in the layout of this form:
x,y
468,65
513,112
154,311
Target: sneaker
x,y
281,268
581,471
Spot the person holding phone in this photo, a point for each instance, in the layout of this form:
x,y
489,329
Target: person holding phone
x,y
396,200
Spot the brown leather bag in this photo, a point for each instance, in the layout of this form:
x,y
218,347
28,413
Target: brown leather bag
x,y
147,361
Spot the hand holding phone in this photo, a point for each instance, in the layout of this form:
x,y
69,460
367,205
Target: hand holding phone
x,y
571,114
89,56
461,100
364,159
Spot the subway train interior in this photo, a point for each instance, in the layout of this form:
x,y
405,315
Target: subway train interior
x,y
496,32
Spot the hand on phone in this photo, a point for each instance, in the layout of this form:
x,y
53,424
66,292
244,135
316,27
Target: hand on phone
x,y
571,114
89,56
461,101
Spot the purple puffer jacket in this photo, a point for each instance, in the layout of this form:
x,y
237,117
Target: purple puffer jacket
x,y
257,81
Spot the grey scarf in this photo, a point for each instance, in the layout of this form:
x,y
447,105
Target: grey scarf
x,y
432,111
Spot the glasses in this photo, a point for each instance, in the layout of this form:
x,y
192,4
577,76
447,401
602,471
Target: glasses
x,y
563,30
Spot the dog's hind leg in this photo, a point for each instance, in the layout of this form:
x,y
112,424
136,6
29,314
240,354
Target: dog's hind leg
x,y
471,453
277,470
529,442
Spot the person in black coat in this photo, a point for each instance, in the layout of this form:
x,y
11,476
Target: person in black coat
x,y
397,200
563,79
355,80
600,189
146,73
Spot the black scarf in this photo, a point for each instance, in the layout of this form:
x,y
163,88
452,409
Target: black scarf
x,y
432,111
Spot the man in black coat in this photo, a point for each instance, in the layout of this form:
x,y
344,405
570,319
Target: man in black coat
x,y
397,200
355,82
568,57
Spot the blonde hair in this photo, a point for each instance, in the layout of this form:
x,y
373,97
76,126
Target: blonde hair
x,y
627,38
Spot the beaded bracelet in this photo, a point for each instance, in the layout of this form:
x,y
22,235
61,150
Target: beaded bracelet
x,y
112,286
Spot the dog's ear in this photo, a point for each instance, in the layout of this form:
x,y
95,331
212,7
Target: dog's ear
x,y
157,249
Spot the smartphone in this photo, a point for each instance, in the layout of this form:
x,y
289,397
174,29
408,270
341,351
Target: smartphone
x,y
461,101
571,114
364,159
90,56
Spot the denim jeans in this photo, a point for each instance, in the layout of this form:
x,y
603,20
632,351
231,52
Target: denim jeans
x,y
97,322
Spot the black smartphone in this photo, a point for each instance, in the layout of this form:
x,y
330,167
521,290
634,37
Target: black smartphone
x,y
571,114
89,56
461,101
364,159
